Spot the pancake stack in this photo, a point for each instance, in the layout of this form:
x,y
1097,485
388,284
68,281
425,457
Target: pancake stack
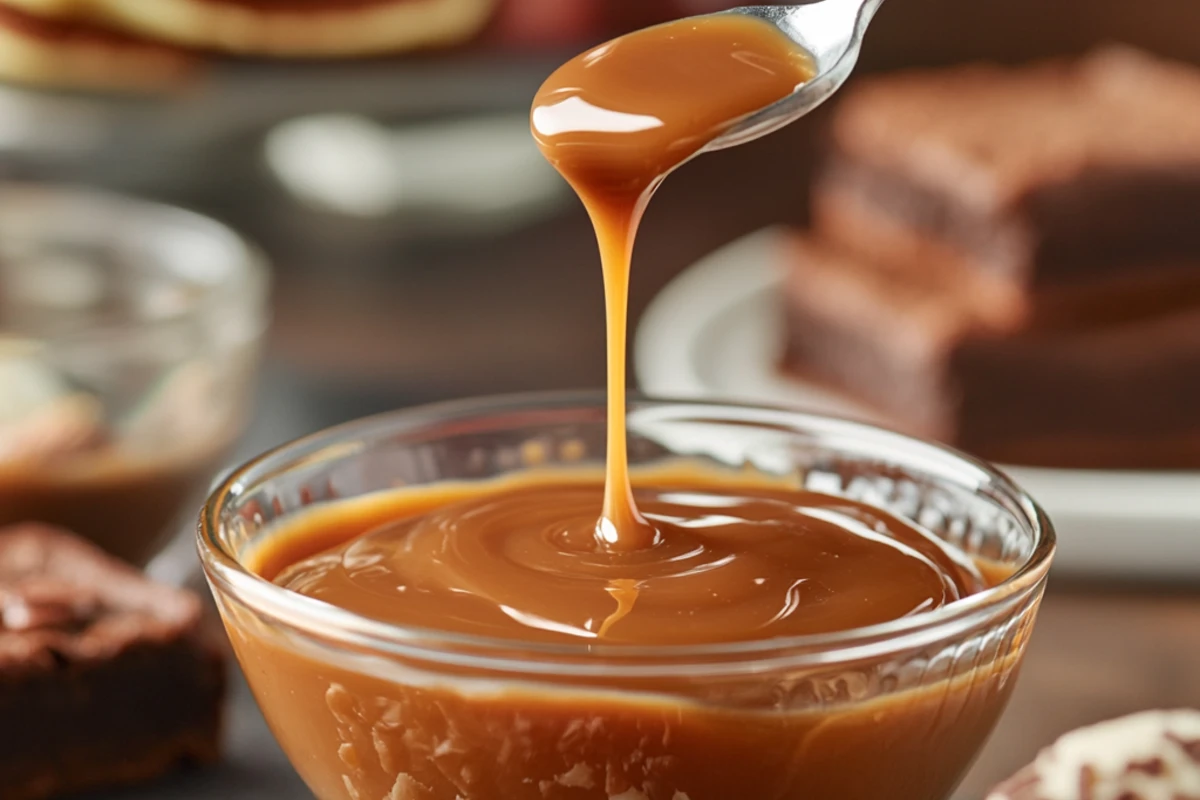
x,y
1008,260
134,44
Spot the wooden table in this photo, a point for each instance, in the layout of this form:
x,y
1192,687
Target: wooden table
x,y
1098,652
524,311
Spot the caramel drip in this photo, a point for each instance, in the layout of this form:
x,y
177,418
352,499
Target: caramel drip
x,y
615,121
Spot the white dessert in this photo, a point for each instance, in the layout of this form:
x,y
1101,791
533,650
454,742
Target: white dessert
x,y
1154,755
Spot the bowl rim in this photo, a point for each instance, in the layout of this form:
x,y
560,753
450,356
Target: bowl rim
x,y
308,616
245,289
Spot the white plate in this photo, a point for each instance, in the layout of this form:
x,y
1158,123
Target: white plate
x,y
716,331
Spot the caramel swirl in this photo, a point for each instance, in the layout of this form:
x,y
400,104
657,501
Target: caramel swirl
x,y
741,563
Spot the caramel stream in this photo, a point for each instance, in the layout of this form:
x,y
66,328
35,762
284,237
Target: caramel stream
x,y
615,121
688,557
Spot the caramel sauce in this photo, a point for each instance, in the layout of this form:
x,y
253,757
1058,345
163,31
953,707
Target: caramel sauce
x,y
614,122
678,563
357,728
518,560
679,556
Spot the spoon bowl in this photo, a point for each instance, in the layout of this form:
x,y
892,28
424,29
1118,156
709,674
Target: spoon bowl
x,y
831,31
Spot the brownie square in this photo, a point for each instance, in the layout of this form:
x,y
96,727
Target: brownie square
x,y
1048,175
106,678
1121,394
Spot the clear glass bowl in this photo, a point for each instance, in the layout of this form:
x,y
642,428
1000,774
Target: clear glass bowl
x,y
369,710
129,337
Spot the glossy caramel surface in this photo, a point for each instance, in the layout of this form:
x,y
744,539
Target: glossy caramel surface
x,y
731,562
616,119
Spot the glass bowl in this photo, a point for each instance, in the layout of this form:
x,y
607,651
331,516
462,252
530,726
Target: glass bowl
x,y
129,337
369,710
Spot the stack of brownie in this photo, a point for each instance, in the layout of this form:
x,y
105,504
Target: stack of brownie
x,y
1008,260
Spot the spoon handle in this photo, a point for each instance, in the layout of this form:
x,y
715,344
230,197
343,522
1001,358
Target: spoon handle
x,y
831,31
831,28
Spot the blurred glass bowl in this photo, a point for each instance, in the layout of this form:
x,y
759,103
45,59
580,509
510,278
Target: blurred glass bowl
x,y
129,340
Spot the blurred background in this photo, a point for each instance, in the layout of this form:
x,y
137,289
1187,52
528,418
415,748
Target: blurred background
x,y
419,249
407,215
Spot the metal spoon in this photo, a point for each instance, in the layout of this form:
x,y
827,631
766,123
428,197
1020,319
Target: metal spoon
x,y
831,31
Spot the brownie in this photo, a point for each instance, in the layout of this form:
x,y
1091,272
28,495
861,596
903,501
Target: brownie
x,y
870,234
1121,394
106,678
1047,175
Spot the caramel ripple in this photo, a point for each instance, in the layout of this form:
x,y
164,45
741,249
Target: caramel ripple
x,y
727,565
